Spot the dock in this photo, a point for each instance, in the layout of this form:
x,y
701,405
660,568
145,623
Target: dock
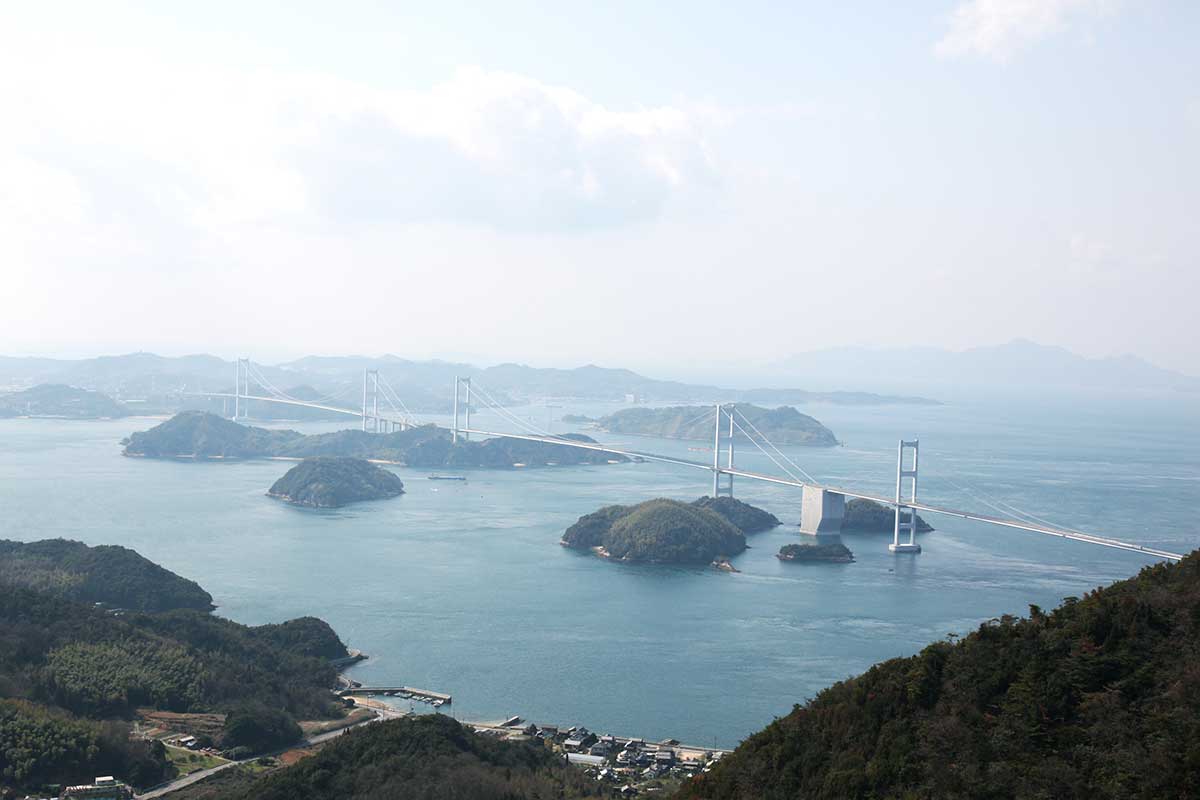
x,y
394,690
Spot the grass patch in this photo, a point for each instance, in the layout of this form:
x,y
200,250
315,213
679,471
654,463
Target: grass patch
x,y
187,761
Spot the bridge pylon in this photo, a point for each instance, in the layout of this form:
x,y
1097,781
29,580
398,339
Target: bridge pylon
x,y
242,379
719,486
454,430
906,515
370,399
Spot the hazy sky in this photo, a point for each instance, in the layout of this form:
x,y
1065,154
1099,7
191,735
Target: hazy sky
x,y
625,183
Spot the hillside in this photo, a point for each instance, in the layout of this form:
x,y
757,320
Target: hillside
x,y
504,452
73,674
152,381
744,516
867,516
59,400
109,574
332,482
1018,363
430,757
783,426
198,434
1098,699
657,531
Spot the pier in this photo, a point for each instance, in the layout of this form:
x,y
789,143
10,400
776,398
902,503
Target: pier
x,y
421,694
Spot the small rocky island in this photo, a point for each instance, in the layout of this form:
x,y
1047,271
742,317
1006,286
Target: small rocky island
x,y
658,532
867,516
783,425
331,482
834,552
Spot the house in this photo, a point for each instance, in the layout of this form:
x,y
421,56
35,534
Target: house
x,y
665,757
579,738
601,748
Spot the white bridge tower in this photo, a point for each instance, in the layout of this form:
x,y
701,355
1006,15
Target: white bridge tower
x,y
906,515
370,399
723,487
242,380
465,382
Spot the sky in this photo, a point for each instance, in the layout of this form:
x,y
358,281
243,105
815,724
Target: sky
x,y
632,184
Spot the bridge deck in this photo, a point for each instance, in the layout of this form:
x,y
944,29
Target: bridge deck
x,y
685,462
887,501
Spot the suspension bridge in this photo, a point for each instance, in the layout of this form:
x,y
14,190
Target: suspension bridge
x,y
822,506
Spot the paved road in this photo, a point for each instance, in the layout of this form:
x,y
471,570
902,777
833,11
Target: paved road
x,y
196,777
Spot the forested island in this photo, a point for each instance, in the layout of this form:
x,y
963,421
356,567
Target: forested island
x,y
783,425
60,400
200,435
746,517
1096,699
332,482
835,552
867,516
657,531
75,671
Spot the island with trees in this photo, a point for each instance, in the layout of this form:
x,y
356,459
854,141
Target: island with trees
x,y
203,436
835,552
782,426
61,401
657,531
867,516
746,517
332,482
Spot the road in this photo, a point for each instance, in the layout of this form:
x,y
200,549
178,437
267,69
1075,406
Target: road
x,y
196,777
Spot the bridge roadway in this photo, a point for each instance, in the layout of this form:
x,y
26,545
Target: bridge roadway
x,y
684,462
887,501
302,403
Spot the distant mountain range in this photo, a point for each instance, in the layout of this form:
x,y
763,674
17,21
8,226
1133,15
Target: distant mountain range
x,y
1019,363
153,382
149,382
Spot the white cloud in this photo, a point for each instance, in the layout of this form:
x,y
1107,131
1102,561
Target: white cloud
x,y
208,148
997,29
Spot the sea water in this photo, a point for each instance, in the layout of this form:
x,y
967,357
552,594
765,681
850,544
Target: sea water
x,y
462,587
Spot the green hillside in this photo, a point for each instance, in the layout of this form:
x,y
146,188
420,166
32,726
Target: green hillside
x,y
1098,699
110,574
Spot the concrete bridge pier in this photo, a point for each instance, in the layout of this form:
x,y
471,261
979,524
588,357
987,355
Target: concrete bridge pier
x,y
821,511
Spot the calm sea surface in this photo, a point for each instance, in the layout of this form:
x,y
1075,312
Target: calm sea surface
x,y
463,588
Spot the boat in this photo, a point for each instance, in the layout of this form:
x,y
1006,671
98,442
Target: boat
x,y
447,477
